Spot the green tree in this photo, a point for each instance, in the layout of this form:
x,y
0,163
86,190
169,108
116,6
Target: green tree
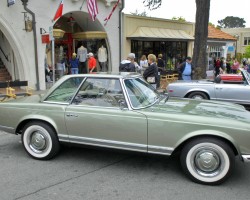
x,y
247,52
152,4
181,19
232,22
201,33
144,13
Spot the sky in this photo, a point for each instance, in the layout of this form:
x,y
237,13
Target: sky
x,y
219,9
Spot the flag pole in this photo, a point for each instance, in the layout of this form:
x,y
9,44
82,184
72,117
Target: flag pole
x,y
82,4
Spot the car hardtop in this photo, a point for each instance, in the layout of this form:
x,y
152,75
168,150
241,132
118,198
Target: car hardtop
x,y
111,75
106,75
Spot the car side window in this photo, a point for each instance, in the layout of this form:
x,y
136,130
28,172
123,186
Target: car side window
x,y
102,92
65,92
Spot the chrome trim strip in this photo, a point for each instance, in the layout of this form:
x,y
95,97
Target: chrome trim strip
x,y
7,129
124,116
117,145
108,143
246,158
54,102
160,150
63,138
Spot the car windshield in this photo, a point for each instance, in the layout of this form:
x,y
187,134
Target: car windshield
x,y
141,93
247,76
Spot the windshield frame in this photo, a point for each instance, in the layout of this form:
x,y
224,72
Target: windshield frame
x,y
150,87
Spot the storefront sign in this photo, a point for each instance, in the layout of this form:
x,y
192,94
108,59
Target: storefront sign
x,y
230,49
45,39
10,2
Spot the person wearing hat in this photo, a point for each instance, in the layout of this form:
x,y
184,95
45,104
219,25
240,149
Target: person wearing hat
x,y
74,64
128,65
186,69
92,63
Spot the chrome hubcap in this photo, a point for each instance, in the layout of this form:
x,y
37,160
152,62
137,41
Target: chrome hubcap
x,y
197,97
37,142
207,162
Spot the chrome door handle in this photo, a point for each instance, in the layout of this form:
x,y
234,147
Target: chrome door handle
x,y
71,115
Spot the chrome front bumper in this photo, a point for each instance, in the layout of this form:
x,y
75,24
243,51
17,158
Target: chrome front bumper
x,y
246,158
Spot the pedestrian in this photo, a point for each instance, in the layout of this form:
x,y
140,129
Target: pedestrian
x,y
128,65
151,73
228,66
92,63
235,66
160,63
143,63
74,64
185,69
217,66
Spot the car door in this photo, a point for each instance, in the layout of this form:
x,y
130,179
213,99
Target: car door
x,y
95,117
234,92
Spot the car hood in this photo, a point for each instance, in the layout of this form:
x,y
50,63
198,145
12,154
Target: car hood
x,y
204,111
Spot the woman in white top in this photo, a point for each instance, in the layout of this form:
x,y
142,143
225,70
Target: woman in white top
x,y
143,64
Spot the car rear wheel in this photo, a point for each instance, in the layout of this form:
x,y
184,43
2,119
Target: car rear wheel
x,y
197,95
207,160
40,140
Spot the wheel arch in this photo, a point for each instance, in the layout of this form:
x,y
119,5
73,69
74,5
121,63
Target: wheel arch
x,y
226,140
22,124
201,91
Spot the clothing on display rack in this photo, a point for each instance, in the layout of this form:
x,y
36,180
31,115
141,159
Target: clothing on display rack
x,y
82,57
102,58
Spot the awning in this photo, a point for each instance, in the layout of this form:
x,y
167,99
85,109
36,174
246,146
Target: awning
x,y
150,33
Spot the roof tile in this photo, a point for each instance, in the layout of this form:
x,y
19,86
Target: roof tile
x,y
214,33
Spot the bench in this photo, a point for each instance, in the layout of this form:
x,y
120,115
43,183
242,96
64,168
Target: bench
x,y
10,91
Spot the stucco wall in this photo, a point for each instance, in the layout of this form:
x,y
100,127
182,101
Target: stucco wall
x,y
21,42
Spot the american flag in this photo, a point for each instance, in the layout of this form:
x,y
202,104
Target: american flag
x,y
92,8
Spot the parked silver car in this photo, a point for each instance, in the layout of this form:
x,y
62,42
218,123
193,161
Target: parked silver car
x,y
230,91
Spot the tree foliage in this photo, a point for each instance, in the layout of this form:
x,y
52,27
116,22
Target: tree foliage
x,y
152,4
232,22
143,14
247,52
180,19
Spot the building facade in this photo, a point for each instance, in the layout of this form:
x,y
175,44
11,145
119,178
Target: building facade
x,y
147,35
243,38
219,45
23,24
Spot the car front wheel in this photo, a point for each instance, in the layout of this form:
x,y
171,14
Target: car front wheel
x,y
207,160
198,95
40,140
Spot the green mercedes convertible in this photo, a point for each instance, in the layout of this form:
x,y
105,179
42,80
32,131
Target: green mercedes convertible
x,y
122,111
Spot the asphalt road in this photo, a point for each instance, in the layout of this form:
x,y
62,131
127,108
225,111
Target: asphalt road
x,y
89,174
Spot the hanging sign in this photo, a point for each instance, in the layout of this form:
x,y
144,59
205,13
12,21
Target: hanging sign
x,y
45,38
10,2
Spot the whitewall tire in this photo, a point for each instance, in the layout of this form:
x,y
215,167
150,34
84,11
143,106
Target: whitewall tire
x,y
207,160
40,140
